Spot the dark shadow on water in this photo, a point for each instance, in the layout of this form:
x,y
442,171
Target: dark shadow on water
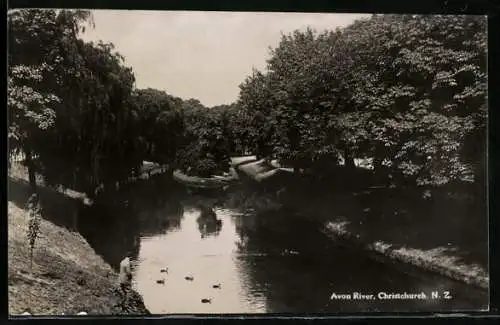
x,y
452,217
281,255
301,270
114,224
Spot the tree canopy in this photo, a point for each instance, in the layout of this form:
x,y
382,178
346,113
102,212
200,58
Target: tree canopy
x,y
408,91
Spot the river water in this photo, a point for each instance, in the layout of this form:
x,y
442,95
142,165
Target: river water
x,y
259,263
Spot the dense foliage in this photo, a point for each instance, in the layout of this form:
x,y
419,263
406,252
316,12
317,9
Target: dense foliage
x,y
157,125
206,141
72,120
408,91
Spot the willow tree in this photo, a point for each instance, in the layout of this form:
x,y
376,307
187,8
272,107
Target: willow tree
x,y
158,124
76,117
34,53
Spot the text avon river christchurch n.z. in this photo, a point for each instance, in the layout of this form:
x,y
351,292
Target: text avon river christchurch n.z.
x,y
391,296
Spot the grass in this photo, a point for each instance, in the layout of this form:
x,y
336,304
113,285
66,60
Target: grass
x,y
67,275
447,234
19,172
439,259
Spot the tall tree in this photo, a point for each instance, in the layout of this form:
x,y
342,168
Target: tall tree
x,y
407,90
34,40
422,85
83,148
159,123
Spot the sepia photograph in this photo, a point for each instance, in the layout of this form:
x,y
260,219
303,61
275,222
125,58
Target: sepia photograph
x,y
191,162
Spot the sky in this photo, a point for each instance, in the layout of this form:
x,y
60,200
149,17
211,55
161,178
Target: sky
x,y
202,55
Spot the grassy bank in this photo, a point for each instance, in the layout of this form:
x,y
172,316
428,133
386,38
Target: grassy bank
x,y
439,260
20,173
446,233
67,275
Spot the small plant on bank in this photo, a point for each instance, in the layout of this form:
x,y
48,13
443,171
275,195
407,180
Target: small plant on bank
x,y
35,214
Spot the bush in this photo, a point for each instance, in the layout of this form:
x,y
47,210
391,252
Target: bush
x,y
35,212
204,167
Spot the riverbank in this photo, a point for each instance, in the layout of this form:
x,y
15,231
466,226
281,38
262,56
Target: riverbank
x,y
446,234
67,276
439,260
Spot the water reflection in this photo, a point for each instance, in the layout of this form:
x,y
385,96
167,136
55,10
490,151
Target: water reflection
x,y
283,258
114,228
274,262
209,261
165,218
208,223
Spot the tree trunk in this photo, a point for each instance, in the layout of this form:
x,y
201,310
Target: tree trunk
x,y
378,173
31,170
377,163
74,181
348,159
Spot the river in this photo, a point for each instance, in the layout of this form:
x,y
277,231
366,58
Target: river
x,y
259,263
